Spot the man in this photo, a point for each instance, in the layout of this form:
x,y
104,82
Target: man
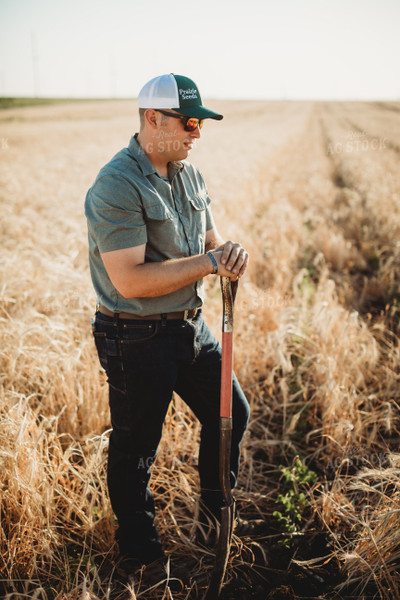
x,y
152,240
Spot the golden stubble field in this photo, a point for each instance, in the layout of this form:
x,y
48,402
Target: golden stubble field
x,y
313,191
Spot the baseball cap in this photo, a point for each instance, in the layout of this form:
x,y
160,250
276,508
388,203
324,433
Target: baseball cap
x,y
177,92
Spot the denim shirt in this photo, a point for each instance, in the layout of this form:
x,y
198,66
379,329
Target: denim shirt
x,y
130,204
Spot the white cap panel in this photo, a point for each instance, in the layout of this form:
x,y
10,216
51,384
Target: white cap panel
x,y
160,92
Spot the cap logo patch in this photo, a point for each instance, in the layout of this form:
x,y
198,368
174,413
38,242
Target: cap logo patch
x,y
189,94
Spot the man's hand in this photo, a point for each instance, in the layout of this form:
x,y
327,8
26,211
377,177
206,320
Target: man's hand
x,y
232,260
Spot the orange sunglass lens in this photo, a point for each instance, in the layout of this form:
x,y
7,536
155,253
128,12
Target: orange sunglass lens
x,y
193,123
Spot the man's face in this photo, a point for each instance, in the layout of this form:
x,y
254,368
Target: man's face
x,y
171,139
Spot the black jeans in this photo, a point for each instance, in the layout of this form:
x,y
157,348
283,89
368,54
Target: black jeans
x,y
145,362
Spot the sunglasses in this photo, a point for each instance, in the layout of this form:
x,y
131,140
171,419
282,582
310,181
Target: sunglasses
x,y
189,123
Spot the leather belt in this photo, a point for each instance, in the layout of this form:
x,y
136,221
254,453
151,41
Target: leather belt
x,y
179,315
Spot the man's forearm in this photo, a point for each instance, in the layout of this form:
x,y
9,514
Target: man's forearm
x,y
135,278
159,278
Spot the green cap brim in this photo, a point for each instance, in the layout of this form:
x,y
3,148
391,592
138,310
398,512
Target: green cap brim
x,y
199,112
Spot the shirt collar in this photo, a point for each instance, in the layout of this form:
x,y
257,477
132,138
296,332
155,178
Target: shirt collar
x,y
139,155
174,168
145,163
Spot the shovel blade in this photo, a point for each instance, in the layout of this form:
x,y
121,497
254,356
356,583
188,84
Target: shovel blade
x,y
222,553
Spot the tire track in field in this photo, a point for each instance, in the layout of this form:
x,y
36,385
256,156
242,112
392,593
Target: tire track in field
x,y
310,202
293,199
367,212
376,129
387,106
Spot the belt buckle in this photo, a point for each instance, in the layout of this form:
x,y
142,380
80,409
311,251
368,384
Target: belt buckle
x,y
185,314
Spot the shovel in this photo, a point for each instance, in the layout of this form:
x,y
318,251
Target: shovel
x,y
229,289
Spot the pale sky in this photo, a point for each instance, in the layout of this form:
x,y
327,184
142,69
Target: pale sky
x,y
272,49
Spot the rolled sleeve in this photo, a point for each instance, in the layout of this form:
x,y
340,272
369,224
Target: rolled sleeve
x,y
115,220
210,223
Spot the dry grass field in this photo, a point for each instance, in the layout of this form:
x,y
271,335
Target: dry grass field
x,y
313,191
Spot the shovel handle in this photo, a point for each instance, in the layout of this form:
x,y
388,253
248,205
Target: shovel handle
x,y
228,288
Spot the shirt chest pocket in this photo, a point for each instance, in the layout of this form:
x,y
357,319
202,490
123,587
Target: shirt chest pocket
x,y
197,214
198,201
162,232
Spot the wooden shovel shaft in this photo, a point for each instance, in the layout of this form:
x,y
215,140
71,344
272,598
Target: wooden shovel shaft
x,y
228,289
226,374
228,511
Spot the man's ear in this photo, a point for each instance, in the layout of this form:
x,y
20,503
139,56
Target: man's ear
x,y
151,117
